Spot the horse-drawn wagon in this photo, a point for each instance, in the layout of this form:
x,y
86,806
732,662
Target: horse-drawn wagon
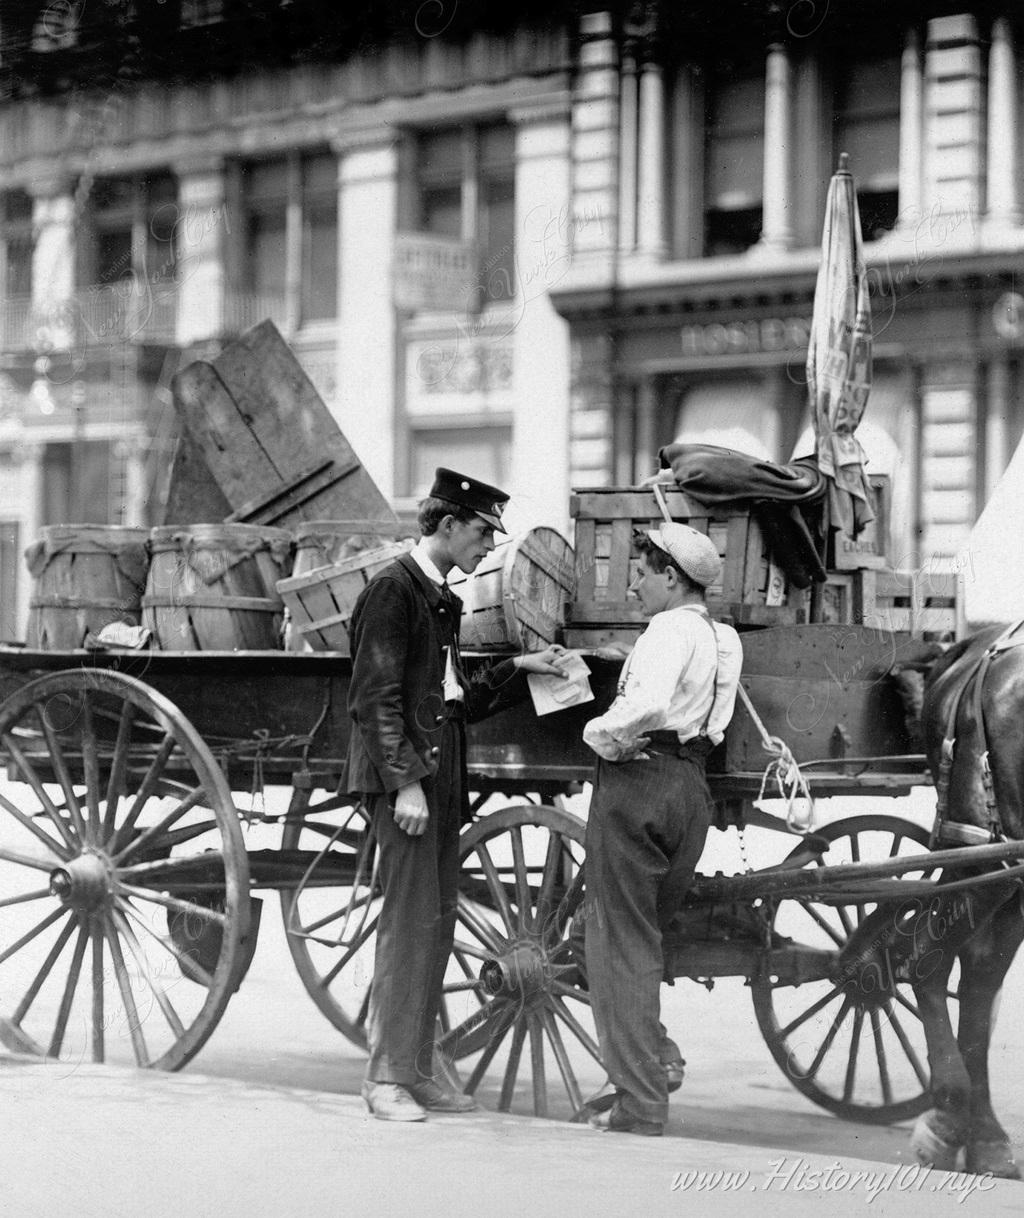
x,y
128,920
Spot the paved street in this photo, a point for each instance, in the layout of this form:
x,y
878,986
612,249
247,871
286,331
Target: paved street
x,y
267,1121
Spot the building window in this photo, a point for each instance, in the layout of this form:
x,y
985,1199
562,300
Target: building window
x,y
484,452
15,244
733,159
465,189
134,223
866,124
78,483
290,239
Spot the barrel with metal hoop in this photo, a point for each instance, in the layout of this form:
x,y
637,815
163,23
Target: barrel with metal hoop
x,y
86,576
211,587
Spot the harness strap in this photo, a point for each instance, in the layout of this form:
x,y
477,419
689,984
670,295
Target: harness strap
x,y
948,830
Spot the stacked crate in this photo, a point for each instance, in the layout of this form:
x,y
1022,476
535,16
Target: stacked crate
x,y
752,590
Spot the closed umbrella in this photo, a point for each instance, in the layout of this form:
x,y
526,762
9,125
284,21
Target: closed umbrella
x,y
839,356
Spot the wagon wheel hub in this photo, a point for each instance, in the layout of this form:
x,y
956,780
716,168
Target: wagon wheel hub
x,y
83,883
520,973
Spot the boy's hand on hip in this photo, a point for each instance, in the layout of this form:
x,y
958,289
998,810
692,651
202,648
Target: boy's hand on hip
x,y
411,812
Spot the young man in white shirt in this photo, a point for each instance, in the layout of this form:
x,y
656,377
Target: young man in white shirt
x,y
651,810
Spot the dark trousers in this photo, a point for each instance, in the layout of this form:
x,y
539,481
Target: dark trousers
x,y
420,879
645,833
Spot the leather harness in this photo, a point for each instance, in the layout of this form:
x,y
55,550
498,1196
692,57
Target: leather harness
x,y
946,830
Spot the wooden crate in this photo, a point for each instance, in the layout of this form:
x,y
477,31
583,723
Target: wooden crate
x,y
869,548
915,602
752,591
259,428
321,602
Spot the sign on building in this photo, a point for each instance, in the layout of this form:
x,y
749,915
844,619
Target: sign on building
x,y
434,273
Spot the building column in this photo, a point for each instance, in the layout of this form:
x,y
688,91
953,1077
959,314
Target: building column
x,y
777,225
366,353
911,138
645,445
1003,206
997,419
687,164
203,226
651,210
30,459
595,135
53,263
628,133
135,513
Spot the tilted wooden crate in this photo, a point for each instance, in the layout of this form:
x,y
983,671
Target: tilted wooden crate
x,y
921,602
752,591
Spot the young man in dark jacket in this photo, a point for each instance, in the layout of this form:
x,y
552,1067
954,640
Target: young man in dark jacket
x,y
410,700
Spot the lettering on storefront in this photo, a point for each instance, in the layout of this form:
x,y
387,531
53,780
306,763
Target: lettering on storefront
x,y
747,337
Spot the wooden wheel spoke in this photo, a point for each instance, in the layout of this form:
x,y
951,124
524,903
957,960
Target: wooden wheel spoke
x,y
496,887
823,922
880,1054
453,1043
470,949
342,912
98,1047
146,789
122,926
176,903
478,926
91,768
540,1086
577,1029
25,860
830,1035
118,769
811,1011
851,1065
515,1053
29,935
908,1049
62,852
191,800
549,878
567,906
68,997
570,991
524,901
21,1010
349,952
187,963
127,997
60,767
565,1069
845,918
904,1001
499,1023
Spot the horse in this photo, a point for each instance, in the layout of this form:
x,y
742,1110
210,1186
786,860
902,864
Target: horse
x,y
971,727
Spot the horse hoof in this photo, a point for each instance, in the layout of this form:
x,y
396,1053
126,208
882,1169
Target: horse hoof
x,y
992,1159
935,1141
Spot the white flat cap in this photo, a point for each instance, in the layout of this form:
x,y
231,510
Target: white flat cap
x,y
692,551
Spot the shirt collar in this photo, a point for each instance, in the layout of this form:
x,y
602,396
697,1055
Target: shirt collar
x,y
426,564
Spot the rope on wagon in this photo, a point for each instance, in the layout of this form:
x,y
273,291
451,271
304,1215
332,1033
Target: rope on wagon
x,y
784,771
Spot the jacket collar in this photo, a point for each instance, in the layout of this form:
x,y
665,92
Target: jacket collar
x,y
430,590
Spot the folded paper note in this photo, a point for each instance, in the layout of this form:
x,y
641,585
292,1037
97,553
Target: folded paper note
x,y
551,693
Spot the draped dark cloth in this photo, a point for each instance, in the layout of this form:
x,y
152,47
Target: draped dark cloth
x,y
787,500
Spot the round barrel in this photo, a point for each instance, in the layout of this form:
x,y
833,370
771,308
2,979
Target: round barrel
x,y
323,543
86,576
211,587
517,597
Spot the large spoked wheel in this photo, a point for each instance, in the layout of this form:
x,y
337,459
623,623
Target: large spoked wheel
x,y
330,916
517,992
854,1042
125,881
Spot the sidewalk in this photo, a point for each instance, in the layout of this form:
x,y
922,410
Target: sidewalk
x,y
102,1142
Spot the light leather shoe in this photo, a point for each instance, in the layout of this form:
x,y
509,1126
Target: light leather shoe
x,y
390,1102
674,1073
435,1098
617,1120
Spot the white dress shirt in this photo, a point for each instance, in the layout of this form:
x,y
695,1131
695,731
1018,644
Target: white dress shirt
x,y
668,683
452,688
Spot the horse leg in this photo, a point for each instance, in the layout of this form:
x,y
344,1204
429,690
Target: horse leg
x,y
942,1131
984,962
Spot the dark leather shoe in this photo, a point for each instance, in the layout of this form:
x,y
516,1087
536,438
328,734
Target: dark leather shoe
x,y
435,1098
674,1072
390,1102
616,1120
